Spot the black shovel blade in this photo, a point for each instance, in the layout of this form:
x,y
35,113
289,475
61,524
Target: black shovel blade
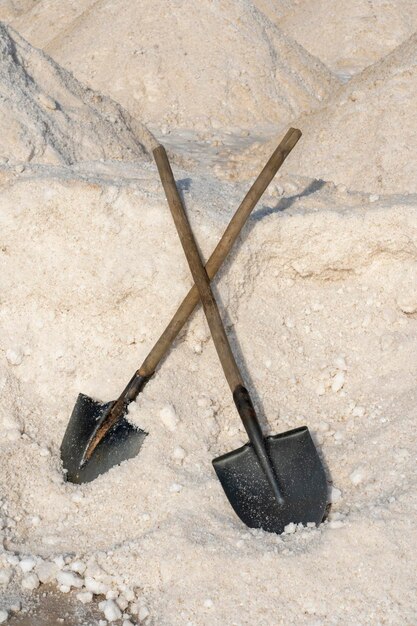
x,y
300,475
122,442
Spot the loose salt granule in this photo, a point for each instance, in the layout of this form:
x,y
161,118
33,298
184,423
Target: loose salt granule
x,y
358,411
179,453
95,586
356,476
340,363
14,356
335,524
4,616
208,603
321,389
5,576
169,417
143,613
69,579
338,382
46,571
85,597
175,488
30,581
112,594
78,566
373,197
27,564
335,495
290,528
64,588
59,561
122,603
127,622
111,610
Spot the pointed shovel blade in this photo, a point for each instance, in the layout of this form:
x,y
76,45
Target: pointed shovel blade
x,y
122,442
300,475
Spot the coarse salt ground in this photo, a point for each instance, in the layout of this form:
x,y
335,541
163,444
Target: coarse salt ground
x,y
312,296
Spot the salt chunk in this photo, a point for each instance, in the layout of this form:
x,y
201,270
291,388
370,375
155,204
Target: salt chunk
x,y
12,559
143,613
122,603
64,588
127,622
373,197
30,581
321,389
5,576
128,593
111,610
14,356
208,603
112,594
356,476
59,561
407,303
290,528
358,411
335,495
27,564
85,597
69,579
95,586
175,488
102,622
179,453
4,616
46,571
338,382
78,566
169,417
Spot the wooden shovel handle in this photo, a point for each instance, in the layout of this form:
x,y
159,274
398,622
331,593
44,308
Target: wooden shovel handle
x,y
198,271
221,251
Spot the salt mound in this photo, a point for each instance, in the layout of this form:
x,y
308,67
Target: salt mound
x,y
47,116
348,36
178,63
366,137
328,336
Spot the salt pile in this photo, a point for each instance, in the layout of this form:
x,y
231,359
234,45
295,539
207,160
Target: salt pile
x,y
320,301
47,116
349,36
219,64
364,138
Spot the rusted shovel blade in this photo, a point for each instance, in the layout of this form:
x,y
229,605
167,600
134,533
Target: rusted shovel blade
x,y
300,475
122,442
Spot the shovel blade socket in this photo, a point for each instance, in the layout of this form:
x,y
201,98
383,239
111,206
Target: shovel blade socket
x,y
122,442
300,475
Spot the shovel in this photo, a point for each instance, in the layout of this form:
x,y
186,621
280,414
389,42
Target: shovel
x,y
271,481
98,435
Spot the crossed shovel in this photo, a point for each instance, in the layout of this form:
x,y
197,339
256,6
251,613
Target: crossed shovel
x,y
270,481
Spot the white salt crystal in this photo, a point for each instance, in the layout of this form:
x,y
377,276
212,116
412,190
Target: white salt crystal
x,y
64,588
78,566
85,597
111,610
111,594
27,564
340,363
373,197
95,586
335,495
338,382
143,613
122,603
5,576
321,389
356,476
30,581
69,579
14,356
127,622
406,302
128,593
4,616
12,559
290,528
208,603
175,488
46,571
358,411
179,453
59,561
169,417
